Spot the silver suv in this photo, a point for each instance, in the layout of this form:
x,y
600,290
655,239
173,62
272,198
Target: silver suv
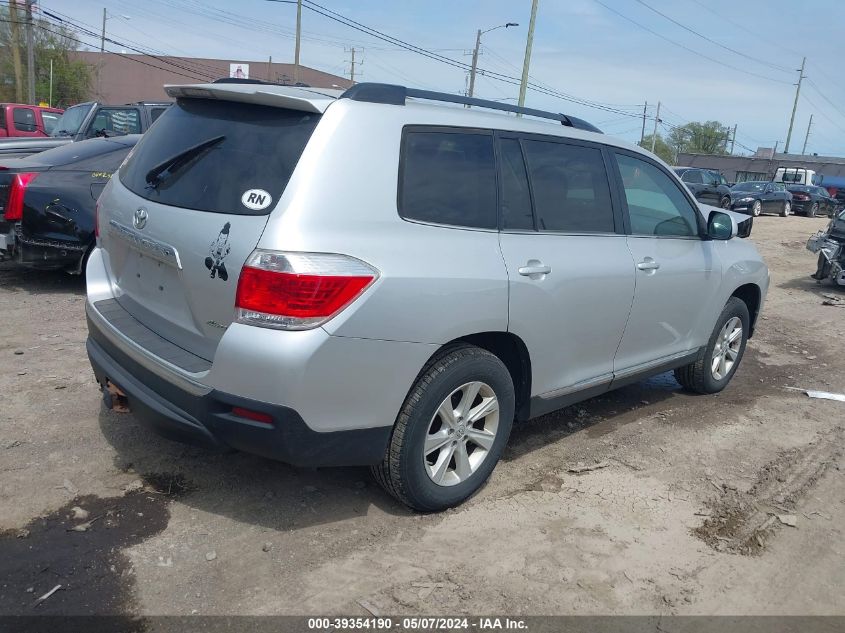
x,y
376,278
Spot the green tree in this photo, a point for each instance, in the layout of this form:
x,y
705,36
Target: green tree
x,y
71,78
661,148
709,137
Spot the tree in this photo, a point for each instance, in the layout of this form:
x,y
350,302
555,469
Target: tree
x,y
710,137
661,148
71,78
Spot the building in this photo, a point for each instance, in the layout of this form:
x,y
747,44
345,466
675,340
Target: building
x,y
764,163
123,78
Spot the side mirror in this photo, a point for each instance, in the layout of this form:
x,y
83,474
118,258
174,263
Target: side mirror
x,y
721,226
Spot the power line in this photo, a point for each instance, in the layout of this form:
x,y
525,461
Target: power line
x,y
712,41
687,48
822,95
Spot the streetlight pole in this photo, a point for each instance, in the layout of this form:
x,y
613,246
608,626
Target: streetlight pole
x,y
478,35
523,84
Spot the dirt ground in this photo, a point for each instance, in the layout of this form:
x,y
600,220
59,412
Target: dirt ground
x,y
688,515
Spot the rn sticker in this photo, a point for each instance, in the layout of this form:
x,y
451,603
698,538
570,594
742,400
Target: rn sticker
x,y
256,199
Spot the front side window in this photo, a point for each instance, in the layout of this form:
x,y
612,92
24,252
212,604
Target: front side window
x,y
50,119
112,121
448,178
656,205
570,187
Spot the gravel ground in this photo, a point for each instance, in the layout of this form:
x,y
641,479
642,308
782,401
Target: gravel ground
x,y
726,504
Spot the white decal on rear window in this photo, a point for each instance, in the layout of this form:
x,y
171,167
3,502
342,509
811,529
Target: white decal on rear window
x,y
256,199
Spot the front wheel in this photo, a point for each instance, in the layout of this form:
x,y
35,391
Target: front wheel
x,y
725,202
756,208
450,431
716,366
787,209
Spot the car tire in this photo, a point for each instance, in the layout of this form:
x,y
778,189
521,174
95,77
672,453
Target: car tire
x,y
429,482
713,370
814,209
756,208
787,209
725,203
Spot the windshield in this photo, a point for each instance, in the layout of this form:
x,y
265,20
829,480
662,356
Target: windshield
x,y
70,122
749,186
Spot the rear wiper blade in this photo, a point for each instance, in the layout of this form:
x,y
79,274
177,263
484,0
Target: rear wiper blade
x,y
174,163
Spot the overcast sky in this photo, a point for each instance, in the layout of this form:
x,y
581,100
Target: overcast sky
x,y
581,48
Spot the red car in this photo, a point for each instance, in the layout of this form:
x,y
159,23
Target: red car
x,y
18,119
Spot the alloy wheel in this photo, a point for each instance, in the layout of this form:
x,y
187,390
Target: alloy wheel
x,y
461,434
756,208
726,350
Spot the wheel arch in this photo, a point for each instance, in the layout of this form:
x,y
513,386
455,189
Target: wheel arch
x,y
751,295
512,351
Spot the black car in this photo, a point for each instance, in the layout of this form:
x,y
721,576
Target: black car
x,y
759,196
811,200
707,186
48,201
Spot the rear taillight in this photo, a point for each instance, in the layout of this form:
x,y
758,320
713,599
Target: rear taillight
x,y
17,190
298,291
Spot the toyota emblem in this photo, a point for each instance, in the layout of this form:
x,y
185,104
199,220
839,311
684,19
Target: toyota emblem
x,y
139,220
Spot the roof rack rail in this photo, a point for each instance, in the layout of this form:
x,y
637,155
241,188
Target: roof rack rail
x,y
243,80
392,94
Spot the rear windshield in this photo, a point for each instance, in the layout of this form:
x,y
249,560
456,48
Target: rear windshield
x,y
219,156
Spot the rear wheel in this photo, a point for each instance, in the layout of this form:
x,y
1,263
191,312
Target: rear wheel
x,y
450,432
787,209
814,209
716,366
756,208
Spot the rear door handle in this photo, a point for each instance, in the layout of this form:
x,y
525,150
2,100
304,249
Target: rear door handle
x,y
648,264
535,269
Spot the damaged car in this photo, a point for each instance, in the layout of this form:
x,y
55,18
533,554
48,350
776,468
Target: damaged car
x,y
48,200
830,245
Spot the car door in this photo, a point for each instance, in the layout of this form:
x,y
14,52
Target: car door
x,y
678,273
710,193
570,273
826,202
25,122
770,199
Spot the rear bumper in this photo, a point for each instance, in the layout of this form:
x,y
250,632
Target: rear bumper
x,y
34,252
206,419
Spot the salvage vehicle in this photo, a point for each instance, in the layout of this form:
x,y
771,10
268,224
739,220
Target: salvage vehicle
x,y
47,202
797,176
88,120
22,120
830,245
707,186
755,197
811,200
465,270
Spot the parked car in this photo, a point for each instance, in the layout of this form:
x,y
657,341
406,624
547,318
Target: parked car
x,y
22,120
757,196
47,202
88,120
465,270
707,186
811,200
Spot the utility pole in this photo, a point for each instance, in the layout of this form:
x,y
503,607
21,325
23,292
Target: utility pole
x,y
654,134
16,50
523,84
352,67
807,136
270,69
733,139
103,35
645,113
298,33
50,100
795,105
474,63
30,53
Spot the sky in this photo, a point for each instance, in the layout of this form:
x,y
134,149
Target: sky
x,y
610,56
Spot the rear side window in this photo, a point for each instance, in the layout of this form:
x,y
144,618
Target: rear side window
x,y
448,178
571,191
24,120
209,155
692,176
516,197
155,113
